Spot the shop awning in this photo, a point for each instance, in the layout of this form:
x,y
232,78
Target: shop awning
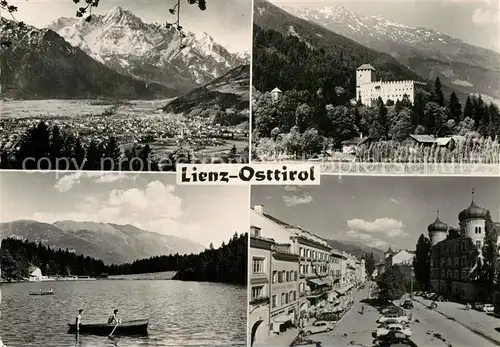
x,y
283,318
317,281
341,291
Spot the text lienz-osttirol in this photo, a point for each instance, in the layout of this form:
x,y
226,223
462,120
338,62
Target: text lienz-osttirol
x,y
247,173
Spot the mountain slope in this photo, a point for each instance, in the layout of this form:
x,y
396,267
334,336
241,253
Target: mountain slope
x,y
113,243
313,57
356,248
428,52
40,64
123,42
228,94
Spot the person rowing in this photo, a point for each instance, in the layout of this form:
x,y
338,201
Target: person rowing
x,y
79,319
113,319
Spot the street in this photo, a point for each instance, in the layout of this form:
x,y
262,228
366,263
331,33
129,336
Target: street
x,y
430,329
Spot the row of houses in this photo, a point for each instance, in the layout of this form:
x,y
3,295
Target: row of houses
x,y
294,274
352,146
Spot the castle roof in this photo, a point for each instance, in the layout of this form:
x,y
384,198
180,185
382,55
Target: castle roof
x,y
276,90
366,67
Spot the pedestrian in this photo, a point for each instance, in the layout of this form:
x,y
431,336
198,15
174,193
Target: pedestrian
x,y
362,309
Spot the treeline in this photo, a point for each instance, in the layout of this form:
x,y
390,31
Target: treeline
x,y
18,256
227,264
44,147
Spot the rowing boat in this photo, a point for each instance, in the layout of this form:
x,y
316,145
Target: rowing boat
x,y
132,327
41,293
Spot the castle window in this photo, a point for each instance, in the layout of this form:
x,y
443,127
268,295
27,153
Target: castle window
x,y
475,230
464,261
479,230
455,275
478,244
449,261
442,273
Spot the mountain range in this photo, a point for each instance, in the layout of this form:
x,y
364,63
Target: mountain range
x,y
115,55
40,64
226,100
313,56
430,53
112,243
356,248
149,51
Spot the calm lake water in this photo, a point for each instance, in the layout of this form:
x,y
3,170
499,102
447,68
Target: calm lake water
x,y
180,313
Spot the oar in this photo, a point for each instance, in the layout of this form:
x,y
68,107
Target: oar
x,y
114,329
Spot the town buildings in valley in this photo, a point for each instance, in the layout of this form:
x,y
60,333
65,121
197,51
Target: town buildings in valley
x,y
293,274
454,252
368,89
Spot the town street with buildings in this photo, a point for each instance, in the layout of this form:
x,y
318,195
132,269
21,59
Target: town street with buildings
x,y
296,278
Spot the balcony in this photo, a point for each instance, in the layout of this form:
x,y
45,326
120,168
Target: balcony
x,y
262,300
316,292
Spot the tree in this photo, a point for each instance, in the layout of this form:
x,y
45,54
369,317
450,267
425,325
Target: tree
x,y
421,262
343,123
490,258
438,96
455,108
392,283
369,264
468,109
402,125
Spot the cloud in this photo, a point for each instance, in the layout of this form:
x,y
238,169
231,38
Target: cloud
x,y
387,227
482,17
68,181
367,239
295,200
291,188
154,208
394,201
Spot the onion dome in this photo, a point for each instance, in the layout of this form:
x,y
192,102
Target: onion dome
x,y
437,225
471,212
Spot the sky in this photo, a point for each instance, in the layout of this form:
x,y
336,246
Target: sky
x,y
227,21
377,211
149,201
474,21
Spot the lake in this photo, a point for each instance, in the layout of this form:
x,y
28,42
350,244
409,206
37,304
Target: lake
x,y
180,313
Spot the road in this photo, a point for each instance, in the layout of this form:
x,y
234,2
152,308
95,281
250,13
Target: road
x,y
430,329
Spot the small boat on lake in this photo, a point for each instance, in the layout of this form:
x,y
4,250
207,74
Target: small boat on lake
x,y
42,293
130,328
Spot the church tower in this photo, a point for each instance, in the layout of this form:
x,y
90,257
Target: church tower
x,y
437,231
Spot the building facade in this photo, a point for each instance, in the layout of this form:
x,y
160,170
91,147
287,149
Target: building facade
x,y
368,89
259,279
454,253
284,305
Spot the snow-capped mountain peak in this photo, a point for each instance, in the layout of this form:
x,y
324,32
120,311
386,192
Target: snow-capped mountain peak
x,y
150,51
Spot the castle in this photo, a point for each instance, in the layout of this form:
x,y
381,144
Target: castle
x,y
368,89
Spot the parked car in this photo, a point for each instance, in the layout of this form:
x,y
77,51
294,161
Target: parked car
x,y
478,306
386,328
392,309
429,295
319,326
408,304
400,318
488,308
394,338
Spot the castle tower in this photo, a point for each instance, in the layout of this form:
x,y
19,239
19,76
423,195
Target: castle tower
x,y
437,231
276,94
365,74
473,222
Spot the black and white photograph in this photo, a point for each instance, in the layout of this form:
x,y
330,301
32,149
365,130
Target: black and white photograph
x,y
164,81
402,84
376,261
114,259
